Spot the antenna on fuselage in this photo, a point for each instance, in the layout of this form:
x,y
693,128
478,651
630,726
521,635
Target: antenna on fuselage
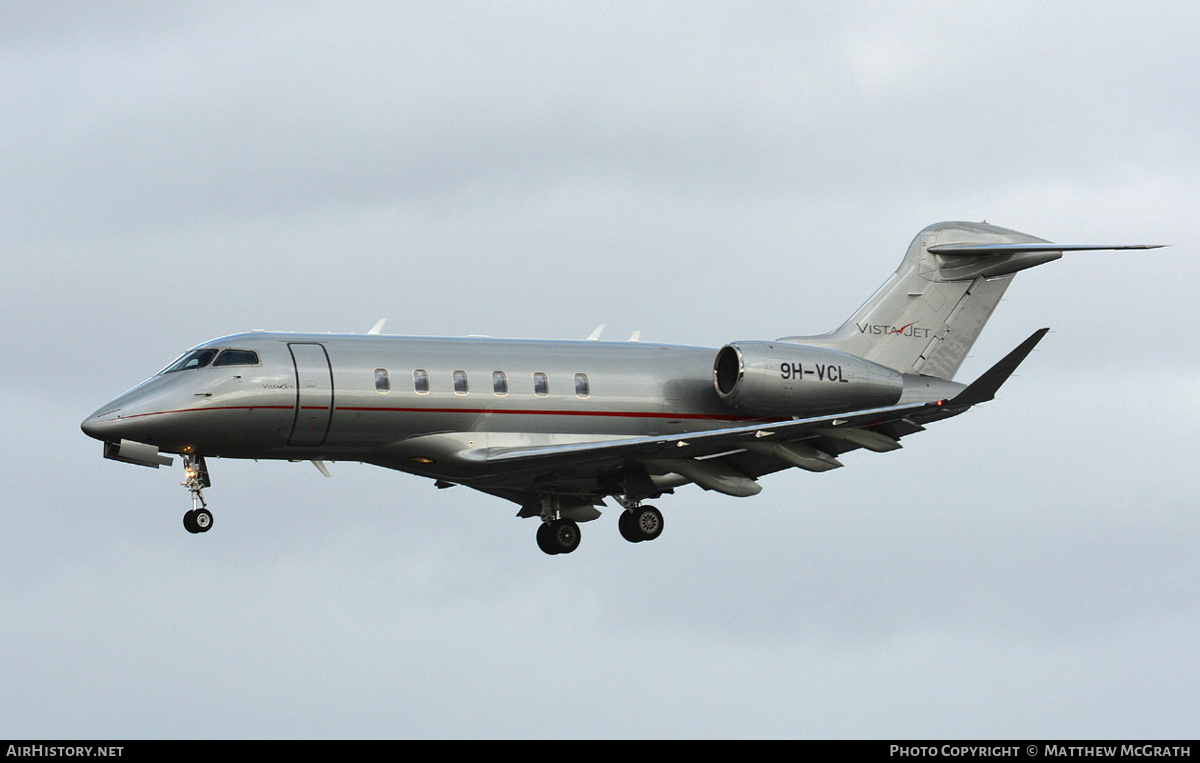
x,y
378,327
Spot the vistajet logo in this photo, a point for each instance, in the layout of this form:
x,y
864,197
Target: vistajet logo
x,y
909,330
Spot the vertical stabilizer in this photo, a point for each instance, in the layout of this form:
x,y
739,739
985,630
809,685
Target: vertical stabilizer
x,y
927,316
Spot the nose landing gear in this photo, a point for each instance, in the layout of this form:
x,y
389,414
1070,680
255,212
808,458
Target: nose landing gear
x,y
199,519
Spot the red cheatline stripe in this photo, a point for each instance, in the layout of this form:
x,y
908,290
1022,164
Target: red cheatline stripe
x,y
473,411
534,412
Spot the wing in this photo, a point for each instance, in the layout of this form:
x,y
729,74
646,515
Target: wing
x,y
728,460
725,460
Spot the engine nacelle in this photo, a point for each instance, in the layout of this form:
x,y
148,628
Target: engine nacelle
x,y
798,380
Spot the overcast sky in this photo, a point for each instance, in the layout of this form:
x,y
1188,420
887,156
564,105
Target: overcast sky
x,y
699,172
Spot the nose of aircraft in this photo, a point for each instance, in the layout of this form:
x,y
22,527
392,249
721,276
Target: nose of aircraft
x,y
120,417
104,424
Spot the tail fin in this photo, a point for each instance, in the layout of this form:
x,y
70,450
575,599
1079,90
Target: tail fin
x,y
927,316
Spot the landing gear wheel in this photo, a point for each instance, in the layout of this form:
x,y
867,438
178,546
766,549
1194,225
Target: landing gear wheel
x,y
640,523
198,521
560,536
203,519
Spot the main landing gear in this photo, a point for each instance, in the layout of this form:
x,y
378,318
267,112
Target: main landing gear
x,y
199,519
637,523
640,523
558,536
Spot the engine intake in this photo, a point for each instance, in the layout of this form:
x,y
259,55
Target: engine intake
x,y
799,380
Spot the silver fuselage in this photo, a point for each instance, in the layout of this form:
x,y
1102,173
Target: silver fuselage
x,y
295,404
360,397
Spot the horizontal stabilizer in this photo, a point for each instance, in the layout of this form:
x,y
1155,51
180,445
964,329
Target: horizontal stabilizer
x,y
981,249
984,388
945,290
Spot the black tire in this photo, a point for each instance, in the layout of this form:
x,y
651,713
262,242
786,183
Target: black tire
x,y
189,522
626,525
544,541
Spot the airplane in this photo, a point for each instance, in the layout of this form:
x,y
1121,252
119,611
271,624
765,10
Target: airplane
x,y
559,427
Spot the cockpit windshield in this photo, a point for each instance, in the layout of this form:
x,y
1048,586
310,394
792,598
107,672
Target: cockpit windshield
x,y
201,358
237,358
189,360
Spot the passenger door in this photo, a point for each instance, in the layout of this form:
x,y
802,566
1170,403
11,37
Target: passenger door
x,y
314,394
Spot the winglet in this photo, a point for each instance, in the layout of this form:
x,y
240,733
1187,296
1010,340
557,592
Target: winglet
x,y
984,388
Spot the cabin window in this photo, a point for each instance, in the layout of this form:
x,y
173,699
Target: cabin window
x,y
460,382
583,388
541,384
190,360
500,383
382,382
237,358
421,381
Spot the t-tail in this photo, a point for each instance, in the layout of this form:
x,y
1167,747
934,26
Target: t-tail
x,y
927,316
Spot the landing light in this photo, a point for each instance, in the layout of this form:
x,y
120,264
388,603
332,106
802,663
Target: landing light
x,y
422,460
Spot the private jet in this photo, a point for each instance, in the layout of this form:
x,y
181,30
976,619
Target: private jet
x,y
560,427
